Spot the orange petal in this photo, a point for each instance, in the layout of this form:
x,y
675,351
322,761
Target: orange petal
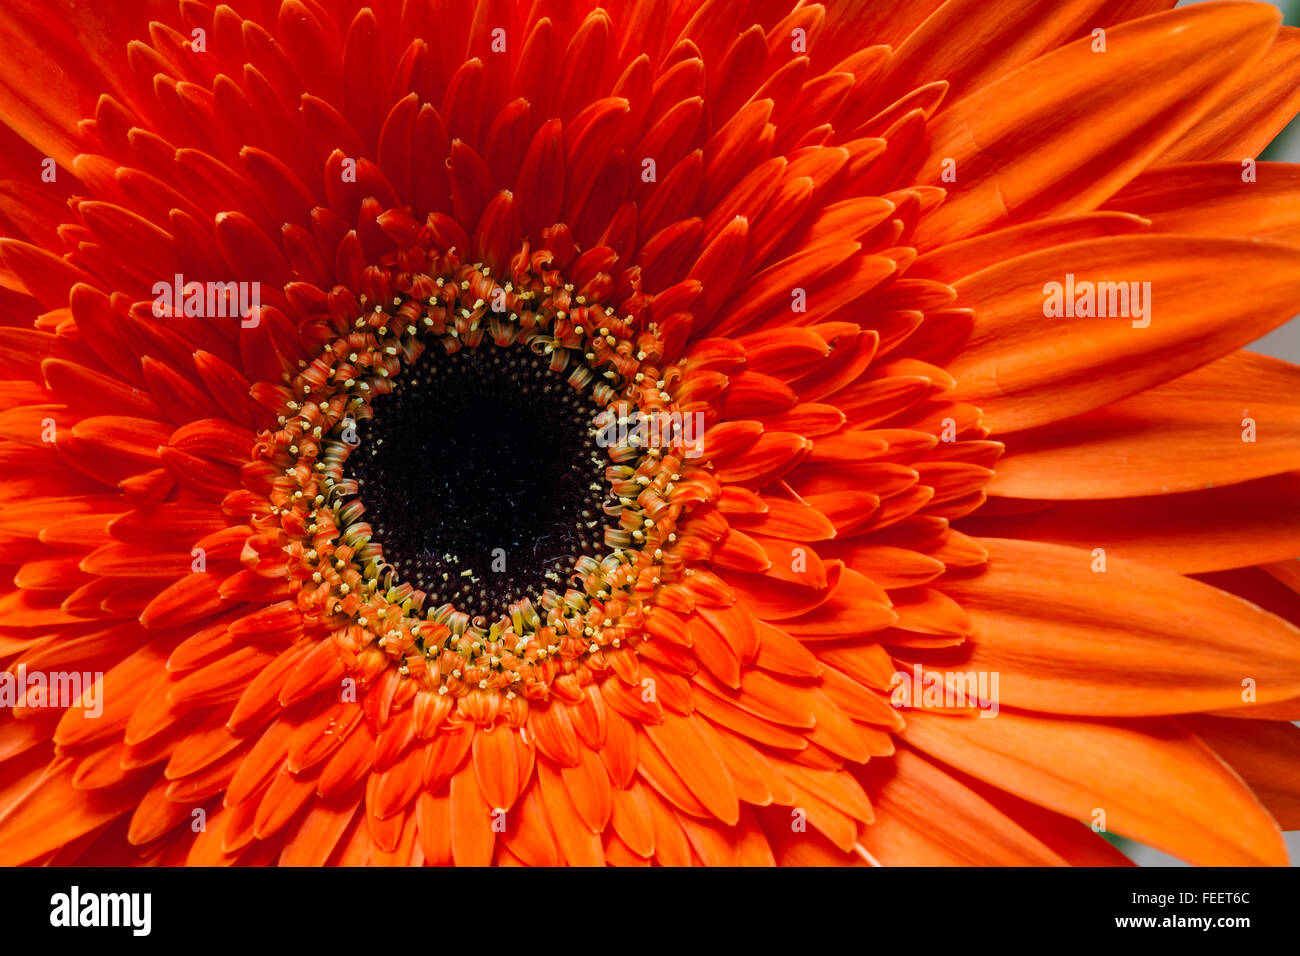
x,y
632,820
926,817
1254,110
994,40
580,846
314,839
1155,782
51,812
589,789
1005,138
1192,533
433,826
496,765
1133,640
1187,434
1266,755
1207,297
1212,199
701,769
956,260
856,605
472,834
528,831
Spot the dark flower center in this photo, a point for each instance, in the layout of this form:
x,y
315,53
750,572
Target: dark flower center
x,y
481,477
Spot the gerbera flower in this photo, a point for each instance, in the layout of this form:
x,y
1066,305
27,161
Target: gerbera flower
x,y
485,432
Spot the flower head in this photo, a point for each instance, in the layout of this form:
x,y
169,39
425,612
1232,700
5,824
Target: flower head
x,y
479,432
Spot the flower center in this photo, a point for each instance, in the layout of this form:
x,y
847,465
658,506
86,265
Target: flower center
x,y
482,477
448,425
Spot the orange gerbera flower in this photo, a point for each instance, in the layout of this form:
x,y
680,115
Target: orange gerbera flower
x,y
532,432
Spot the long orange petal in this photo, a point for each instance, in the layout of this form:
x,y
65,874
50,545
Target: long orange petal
x,y
1154,781
1131,640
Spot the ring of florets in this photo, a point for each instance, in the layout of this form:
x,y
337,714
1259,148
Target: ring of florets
x,y
343,586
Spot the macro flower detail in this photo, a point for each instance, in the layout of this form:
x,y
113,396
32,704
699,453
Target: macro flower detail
x,y
472,432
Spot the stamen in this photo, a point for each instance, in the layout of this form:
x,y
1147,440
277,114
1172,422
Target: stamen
x,y
475,473
411,588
